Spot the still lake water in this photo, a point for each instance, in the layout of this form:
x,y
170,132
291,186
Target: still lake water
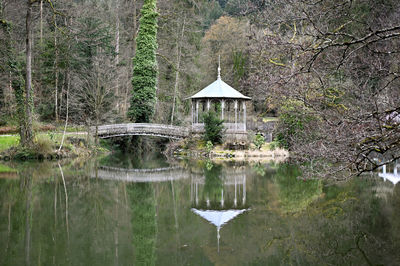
x,y
125,211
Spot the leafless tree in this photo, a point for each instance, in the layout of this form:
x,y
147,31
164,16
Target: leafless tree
x,y
92,98
332,69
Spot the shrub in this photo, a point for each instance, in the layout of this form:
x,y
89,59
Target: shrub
x,y
275,144
23,154
214,128
259,140
43,144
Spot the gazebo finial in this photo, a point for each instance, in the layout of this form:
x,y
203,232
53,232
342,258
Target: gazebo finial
x,y
219,66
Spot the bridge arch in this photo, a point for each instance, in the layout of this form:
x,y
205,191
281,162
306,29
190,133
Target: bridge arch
x,y
141,129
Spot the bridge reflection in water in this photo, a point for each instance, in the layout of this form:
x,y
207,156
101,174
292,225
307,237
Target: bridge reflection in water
x,y
140,175
226,188
218,195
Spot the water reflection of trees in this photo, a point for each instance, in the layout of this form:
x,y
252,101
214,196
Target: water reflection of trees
x,y
41,223
129,161
295,194
346,225
213,187
144,225
122,223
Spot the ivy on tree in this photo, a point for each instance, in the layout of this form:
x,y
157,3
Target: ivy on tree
x,y
144,80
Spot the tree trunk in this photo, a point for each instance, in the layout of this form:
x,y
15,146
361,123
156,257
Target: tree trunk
x,y
56,72
97,130
117,57
134,28
41,22
133,54
27,138
61,95
97,108
66,116
7,97
178,63
88,132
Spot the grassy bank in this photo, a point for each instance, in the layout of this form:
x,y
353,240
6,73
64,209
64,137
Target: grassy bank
x,y
51,138
47,146
7,142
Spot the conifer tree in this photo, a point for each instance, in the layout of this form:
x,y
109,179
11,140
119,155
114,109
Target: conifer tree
x,y
144,80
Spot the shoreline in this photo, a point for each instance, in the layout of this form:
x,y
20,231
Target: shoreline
x,y
196,150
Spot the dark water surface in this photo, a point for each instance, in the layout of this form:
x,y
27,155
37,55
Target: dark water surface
x,y
128,211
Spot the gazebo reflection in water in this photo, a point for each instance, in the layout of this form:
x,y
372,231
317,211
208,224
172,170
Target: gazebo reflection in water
x,y
218,196
391,172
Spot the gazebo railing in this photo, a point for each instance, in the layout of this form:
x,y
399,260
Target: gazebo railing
x,y
229,127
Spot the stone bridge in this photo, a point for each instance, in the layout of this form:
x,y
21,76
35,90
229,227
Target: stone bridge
x,y
142,129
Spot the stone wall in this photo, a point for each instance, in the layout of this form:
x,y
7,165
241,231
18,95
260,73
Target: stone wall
x,y
265,128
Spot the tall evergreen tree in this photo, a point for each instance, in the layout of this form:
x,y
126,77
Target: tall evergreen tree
x,y
144,80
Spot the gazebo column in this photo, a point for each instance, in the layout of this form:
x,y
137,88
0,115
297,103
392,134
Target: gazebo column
x,y
222,198
244,115
244,190
236,107
197,111
197,195
208,105
192,112
222,108
235,200
191,188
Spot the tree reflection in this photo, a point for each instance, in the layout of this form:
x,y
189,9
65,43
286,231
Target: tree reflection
x,y
16,198
337,224
144,226
295,194
291,221
213,183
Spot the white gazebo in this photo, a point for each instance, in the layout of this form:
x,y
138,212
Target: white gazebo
x,y
221,97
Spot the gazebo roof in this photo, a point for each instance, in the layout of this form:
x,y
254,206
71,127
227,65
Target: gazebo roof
x,y
218,217
391,177
219,89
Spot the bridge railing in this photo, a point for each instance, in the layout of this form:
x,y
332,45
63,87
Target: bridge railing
x,y
141,129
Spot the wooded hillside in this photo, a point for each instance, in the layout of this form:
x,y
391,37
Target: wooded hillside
x,y
327,69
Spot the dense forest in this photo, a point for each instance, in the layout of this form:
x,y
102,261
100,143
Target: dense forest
x,y
329,70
